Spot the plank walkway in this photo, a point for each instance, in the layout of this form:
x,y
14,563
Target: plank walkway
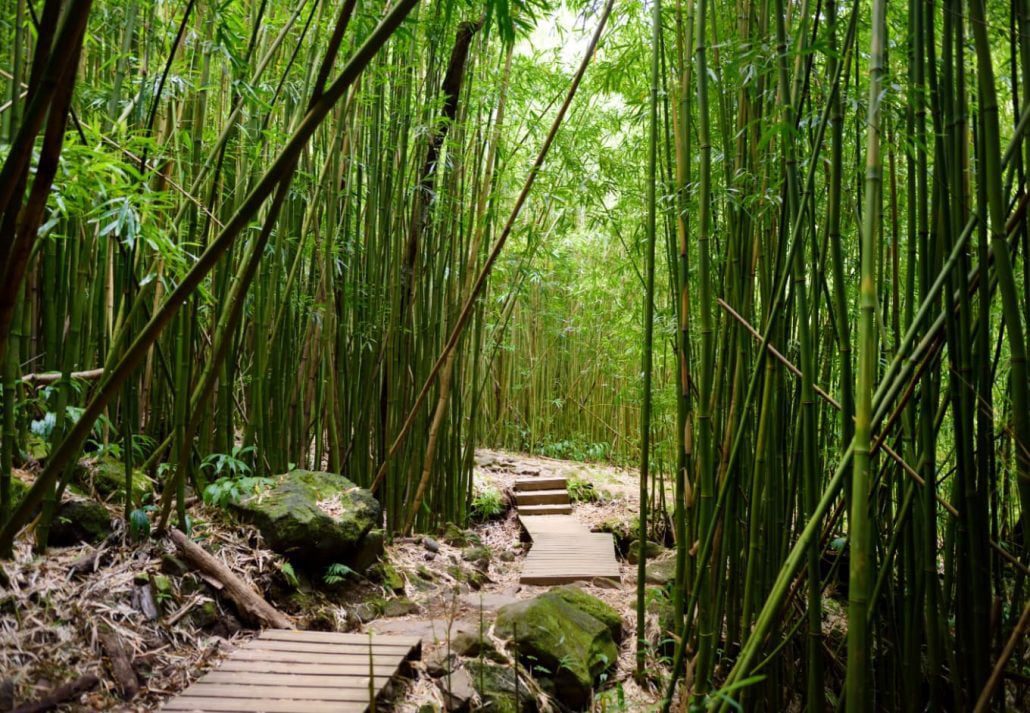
x,y
564,550
285,671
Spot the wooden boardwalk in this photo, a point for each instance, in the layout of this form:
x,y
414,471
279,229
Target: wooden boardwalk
x,y
285,671
564,550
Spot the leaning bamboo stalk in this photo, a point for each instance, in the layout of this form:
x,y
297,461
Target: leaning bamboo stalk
x,y
135,353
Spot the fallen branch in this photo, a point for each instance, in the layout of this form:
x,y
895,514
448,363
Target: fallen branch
x,y
45,378
64,692
248,602
121,663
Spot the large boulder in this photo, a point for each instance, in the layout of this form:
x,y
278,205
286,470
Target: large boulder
x,y
316,519
556,638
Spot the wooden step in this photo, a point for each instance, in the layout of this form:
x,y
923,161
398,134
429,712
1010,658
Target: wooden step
x,y
540,484
541,497
559,509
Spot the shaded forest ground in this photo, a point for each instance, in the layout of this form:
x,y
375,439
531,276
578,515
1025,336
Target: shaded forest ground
x,y
60,610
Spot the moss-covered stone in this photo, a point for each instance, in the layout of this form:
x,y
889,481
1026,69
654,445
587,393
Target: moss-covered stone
x,y
662,571
566,646
164,592
389,576
651,550
105,476
591,605
79,521
400,606
497,688
456,537
317,519
477,554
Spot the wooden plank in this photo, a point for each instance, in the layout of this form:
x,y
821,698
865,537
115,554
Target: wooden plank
x,y
541,497
248,654
203,689
539,483
328,648
244,705
547,509
334,636
317,669
286,679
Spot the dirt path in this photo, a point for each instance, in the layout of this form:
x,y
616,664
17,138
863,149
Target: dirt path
x,y
445,607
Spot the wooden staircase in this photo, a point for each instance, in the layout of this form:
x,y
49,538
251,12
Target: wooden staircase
x,y
542,496
564,550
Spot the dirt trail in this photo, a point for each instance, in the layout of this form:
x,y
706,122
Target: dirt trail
x,y
443,610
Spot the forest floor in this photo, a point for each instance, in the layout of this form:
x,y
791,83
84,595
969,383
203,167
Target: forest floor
x,y
174,624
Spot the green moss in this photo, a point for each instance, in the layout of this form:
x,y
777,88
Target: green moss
x,y
591,605
106,476
561,643
316,519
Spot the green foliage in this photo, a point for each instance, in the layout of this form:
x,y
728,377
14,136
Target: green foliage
x,y
336,573
582,491
487,504
228,489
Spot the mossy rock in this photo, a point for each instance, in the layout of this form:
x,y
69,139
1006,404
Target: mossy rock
x,y
591,605
498,690
651,551
661,571
388,576
106,477
316,519
456,537
399,606
567,647
472,645
477,554
78,521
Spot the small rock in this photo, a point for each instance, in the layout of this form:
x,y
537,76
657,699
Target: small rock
x,y
206,615
164,593
430,544
506,556
366,612
401,606
471,645
440,663
661,571
6,694
478,555
458,691
498,690
429,556
170,564
455,536
651,550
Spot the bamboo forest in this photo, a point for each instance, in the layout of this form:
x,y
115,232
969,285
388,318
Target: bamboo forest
x,y
518,356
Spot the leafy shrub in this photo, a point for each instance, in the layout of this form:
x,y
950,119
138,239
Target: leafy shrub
x,y
582,491
488,504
